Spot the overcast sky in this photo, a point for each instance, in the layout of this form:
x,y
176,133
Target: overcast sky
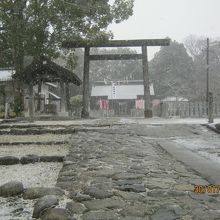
x,y
176,19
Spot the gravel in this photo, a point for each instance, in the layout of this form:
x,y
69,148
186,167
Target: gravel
x,y
31,175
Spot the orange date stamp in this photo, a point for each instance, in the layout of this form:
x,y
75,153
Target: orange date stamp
x,y
206,188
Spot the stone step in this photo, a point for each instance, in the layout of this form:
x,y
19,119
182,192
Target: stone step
x,y
33,143
10,160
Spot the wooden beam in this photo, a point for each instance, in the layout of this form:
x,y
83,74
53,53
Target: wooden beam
x,y
118,43
116,57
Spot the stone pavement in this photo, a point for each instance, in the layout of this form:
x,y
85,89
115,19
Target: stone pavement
x,y
114,173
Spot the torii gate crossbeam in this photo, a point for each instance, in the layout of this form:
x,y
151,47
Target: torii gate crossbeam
x,y
143,43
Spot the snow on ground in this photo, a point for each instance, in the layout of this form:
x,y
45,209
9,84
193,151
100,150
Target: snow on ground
x,y
31,175
138,120
198,143
208,148
173,120
37,174
61,122
40,150
34,138
15,208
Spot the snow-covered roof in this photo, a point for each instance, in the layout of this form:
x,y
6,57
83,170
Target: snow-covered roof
x,y
120,91
51,84
6,74
174,99
54,95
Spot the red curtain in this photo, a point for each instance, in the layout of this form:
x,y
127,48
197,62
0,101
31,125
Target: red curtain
x,y
103,104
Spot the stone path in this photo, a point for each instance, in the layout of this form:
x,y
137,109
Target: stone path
x,y
115,174
205,167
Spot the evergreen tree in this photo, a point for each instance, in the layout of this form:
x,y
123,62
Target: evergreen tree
x,y
38,27
171,71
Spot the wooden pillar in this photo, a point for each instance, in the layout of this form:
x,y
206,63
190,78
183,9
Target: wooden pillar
x,y
39,96
62,97
3,92
86,92
210,108
146,81
67,97
31,101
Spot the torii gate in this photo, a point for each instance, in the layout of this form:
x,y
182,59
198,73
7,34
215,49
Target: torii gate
x,y
143,43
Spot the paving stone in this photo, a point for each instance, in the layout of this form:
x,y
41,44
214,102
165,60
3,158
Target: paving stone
x,y
133,188
141,172
100,215
184,187
127,182
66,178
205,214
217,126
186,217
37,192
134,218
75,207
168,212
130,196
136,167
104,173
154,185
79,197
67,162
12,188
174,193
110,203
55,214
164,214
157,193
102,180
103,186
29,159
68,173
67,185
198,181
98,193
51,158
135,209
9,160
127,176
202,197
43,204
180,169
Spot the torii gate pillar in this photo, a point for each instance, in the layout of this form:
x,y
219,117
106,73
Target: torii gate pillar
x,y
146,81
86,89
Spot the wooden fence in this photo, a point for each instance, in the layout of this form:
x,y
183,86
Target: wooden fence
x,y
180,109
188,109
168,110
102,113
